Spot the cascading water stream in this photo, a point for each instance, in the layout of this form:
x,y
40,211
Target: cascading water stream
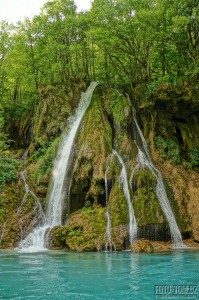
x,y
27,190
36,241
38,207
132,219
109,243
144,160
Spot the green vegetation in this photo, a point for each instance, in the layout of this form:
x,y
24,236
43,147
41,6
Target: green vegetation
x,y
3,136
168,149
46,154
146,48
8,171
117,106
84,231
124,42
137,46
194,156
193,162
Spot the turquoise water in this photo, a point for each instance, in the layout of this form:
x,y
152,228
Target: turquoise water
x,y
111,276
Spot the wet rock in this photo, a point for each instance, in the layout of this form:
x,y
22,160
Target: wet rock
x,y
162,246
142,246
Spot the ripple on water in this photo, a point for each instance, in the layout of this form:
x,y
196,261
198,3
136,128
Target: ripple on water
x,y
96,276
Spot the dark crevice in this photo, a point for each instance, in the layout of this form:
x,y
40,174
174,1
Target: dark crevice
x,y
179,135
110,183
110,120
179,120
186,235
102,200
154,232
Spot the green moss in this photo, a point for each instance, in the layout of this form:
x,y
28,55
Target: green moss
x,y
40,164
146,206
85,231
117,106
118,207
54,107
17,220
58,237
94,144
96,125
48,157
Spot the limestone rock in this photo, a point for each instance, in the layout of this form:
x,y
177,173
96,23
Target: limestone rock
x,y
142,246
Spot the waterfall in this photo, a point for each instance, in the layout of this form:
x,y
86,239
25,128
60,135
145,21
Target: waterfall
x,y
27,190
36,240
144,160
38,207
132,219
109,243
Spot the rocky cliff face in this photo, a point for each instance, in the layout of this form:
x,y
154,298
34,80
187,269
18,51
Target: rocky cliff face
x,y
170,123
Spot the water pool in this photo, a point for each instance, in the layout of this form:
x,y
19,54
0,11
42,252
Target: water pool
x,y
111,276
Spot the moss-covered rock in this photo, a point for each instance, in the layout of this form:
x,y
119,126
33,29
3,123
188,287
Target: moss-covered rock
x,y
85,231
55,104
18,216
145,201
142,246
94,143
57,238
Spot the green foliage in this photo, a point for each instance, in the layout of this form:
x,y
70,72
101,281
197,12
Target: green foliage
x,y
46,154
75,232
161,80
117,106
3,136
193,155
2,211
8,171
118,42
168,149
87,204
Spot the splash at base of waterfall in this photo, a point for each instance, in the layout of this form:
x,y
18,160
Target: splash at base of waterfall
x,y
35,241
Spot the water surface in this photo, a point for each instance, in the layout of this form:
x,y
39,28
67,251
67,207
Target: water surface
x,y
111,276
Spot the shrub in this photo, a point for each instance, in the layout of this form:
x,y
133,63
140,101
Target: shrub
x,y
8,171
168,149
